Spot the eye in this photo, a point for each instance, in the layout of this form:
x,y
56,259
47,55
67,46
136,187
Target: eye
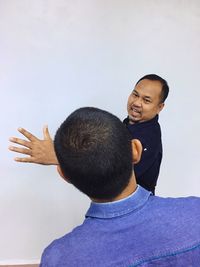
x,y
134,94
147,101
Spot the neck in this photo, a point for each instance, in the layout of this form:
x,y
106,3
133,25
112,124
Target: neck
x,y
130,188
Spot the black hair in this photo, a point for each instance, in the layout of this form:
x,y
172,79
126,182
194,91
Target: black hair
x,y
165,87
94,151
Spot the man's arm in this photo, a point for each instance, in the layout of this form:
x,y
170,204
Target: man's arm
x,y
38,151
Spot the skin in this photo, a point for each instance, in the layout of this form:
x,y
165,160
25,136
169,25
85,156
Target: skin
x,y
144,103
39,151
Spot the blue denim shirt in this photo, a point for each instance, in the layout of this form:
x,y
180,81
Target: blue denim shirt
x,y
140,230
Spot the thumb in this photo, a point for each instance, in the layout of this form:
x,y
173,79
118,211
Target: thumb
x,y
46,133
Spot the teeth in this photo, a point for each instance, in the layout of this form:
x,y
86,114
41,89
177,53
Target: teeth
x,y
135,110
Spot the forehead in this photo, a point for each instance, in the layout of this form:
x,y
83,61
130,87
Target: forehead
x,y
149,88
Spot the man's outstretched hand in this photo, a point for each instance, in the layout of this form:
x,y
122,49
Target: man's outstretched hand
x,y
38,151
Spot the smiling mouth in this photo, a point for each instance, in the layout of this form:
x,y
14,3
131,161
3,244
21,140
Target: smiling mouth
x,y
134,110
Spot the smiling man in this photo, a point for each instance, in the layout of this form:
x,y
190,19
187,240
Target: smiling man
x,y
146,100
144,104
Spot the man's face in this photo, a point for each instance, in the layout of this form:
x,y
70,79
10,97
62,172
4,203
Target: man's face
x,y
144,102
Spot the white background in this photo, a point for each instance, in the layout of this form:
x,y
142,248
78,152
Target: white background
x,y
56,56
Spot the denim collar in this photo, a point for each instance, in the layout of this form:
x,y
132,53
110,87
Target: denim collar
x,y
121,207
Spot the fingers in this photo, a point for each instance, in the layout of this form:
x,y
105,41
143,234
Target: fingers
x,y
46,133
20,142
27,134
25,160
21,150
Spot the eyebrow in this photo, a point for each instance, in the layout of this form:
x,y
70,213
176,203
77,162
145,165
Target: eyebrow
x,y
146,96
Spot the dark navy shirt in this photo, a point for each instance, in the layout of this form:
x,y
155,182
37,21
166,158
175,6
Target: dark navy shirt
x,y
140,230
149,134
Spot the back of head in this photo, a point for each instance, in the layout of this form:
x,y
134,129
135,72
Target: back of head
x,y
93,148
165,87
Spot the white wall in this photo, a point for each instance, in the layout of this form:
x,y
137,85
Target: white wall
x,y
56,56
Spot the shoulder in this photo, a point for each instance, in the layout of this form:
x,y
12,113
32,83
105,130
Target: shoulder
x,y
186,207
53,254
60,249
147,129
177,201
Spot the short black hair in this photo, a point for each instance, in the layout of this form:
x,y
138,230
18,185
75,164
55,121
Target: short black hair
x,y
94,151
165,86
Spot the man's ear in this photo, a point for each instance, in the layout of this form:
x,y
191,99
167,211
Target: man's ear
x,y
62,175
160,107
136,150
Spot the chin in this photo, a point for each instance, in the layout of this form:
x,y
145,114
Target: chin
x,y
134,119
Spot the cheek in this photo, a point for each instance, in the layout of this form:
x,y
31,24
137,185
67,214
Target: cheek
x,y
129,101
148,109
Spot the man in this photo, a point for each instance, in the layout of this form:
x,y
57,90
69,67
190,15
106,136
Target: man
x,y
144,104
125,225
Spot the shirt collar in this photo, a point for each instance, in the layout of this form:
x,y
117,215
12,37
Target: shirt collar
x,y
121,207
151,121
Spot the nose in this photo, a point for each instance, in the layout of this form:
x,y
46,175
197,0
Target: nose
x,y
137,102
